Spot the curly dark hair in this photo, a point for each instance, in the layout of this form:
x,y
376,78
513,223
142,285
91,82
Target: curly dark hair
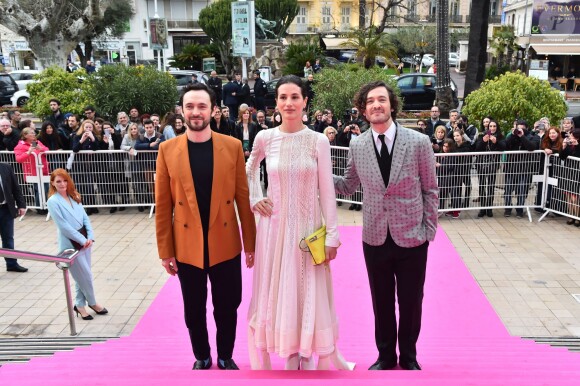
x,y
198,87
360,99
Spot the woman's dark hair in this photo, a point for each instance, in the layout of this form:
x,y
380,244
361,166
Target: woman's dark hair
x,y
576,134
100,120
498,133
50,139
450,143
488,117
360,99
292,79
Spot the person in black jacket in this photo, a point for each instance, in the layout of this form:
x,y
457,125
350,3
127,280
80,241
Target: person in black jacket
x,y
215,84
230,91
488,165
11,136
462,171
219,123
571,186
434,121
518,168
244,95
10,198
445,169
57,118
85,142
246,131
145,163
260,91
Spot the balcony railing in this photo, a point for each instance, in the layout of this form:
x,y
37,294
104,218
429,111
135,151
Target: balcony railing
x,y
455,19
183,24
414,18
494,19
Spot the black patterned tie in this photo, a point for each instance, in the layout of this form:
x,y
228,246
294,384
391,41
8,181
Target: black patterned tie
x,y
384,150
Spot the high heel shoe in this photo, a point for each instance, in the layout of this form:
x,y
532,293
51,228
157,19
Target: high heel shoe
x,y
88,317
104,311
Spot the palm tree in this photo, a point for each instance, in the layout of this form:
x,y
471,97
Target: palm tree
x,y
370,44
504,38
444,94
477,51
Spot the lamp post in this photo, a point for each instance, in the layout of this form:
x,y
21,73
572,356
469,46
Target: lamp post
x,y
159,52
421,45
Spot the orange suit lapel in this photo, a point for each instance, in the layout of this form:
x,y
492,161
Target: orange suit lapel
x,y
219,175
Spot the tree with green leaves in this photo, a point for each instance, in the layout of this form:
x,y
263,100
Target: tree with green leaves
x,y
298,53
413,40
53,28
56,82
281,11
216,21
113,25
444,93
369,44
334,88
190,58
503,42
515,95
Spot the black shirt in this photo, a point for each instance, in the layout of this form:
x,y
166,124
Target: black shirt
x,y
201,163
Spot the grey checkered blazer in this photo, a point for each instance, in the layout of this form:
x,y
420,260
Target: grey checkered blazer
x,y
408,206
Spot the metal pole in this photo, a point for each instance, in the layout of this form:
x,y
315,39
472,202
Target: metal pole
x,y
159,52
69,304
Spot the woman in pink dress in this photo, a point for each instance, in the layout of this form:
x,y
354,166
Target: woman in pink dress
x,y
292,308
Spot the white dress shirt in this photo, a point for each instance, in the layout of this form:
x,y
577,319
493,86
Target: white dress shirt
x,y
389,138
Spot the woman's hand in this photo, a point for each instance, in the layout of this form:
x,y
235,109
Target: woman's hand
x,y
548,151
330,253
88,243
132,151
492,138
250,259
264,207
247,153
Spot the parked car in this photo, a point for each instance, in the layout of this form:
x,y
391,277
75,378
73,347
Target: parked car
x,y
347,56
8,87
332,62
428,60
453,59
23,77
183,77
20,98
418,91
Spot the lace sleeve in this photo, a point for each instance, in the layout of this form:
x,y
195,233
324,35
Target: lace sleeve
x,y
253,168
326,191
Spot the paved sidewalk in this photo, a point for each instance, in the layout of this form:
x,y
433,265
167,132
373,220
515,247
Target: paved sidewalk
x,y
528,271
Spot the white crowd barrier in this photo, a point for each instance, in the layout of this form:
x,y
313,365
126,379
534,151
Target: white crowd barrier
x,y
517,180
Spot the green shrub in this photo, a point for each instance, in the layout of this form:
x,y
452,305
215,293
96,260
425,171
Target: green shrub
x,y
494,71
335,88
118,88
297,54
515,96
55,82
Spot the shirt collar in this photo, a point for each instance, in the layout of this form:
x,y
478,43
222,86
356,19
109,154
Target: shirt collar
x,y
389,134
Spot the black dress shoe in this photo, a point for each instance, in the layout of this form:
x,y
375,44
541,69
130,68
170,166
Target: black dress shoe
x,y
352,207
121,208
489,213
358,207
481,213
412,365
200,365
383,365
229,364
16,268
112,210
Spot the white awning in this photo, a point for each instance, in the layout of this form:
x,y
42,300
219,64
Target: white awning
x,y
337,44
556,49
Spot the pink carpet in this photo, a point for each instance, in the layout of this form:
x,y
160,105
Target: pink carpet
x,y
463,342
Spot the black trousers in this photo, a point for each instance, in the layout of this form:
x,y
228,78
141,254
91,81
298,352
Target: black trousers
x,y
402,270
226,292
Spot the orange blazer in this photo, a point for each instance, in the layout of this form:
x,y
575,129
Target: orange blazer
x,y
177,219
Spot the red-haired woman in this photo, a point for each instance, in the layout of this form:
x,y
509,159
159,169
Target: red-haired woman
x,y
74,227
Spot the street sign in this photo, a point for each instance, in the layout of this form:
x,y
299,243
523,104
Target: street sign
x,y
208,64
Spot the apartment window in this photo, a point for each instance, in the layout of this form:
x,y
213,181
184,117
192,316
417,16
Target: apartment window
x,y
178,10
493,8
345,15
412,7
326,15
433,8
453,8
302,17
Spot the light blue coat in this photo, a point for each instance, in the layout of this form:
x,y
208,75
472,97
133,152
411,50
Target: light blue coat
x,y
69,218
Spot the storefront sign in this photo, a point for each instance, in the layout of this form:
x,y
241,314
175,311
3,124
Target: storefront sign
x,y
21,46
556,17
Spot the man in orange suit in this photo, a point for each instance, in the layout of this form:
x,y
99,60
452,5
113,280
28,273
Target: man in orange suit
x,y
199,178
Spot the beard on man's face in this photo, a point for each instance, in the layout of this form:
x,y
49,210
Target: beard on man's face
x,y
200,124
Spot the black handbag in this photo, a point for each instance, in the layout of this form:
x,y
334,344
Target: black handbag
x,y
77,246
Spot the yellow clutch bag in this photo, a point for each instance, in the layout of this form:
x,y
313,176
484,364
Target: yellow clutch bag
x,y
314,244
